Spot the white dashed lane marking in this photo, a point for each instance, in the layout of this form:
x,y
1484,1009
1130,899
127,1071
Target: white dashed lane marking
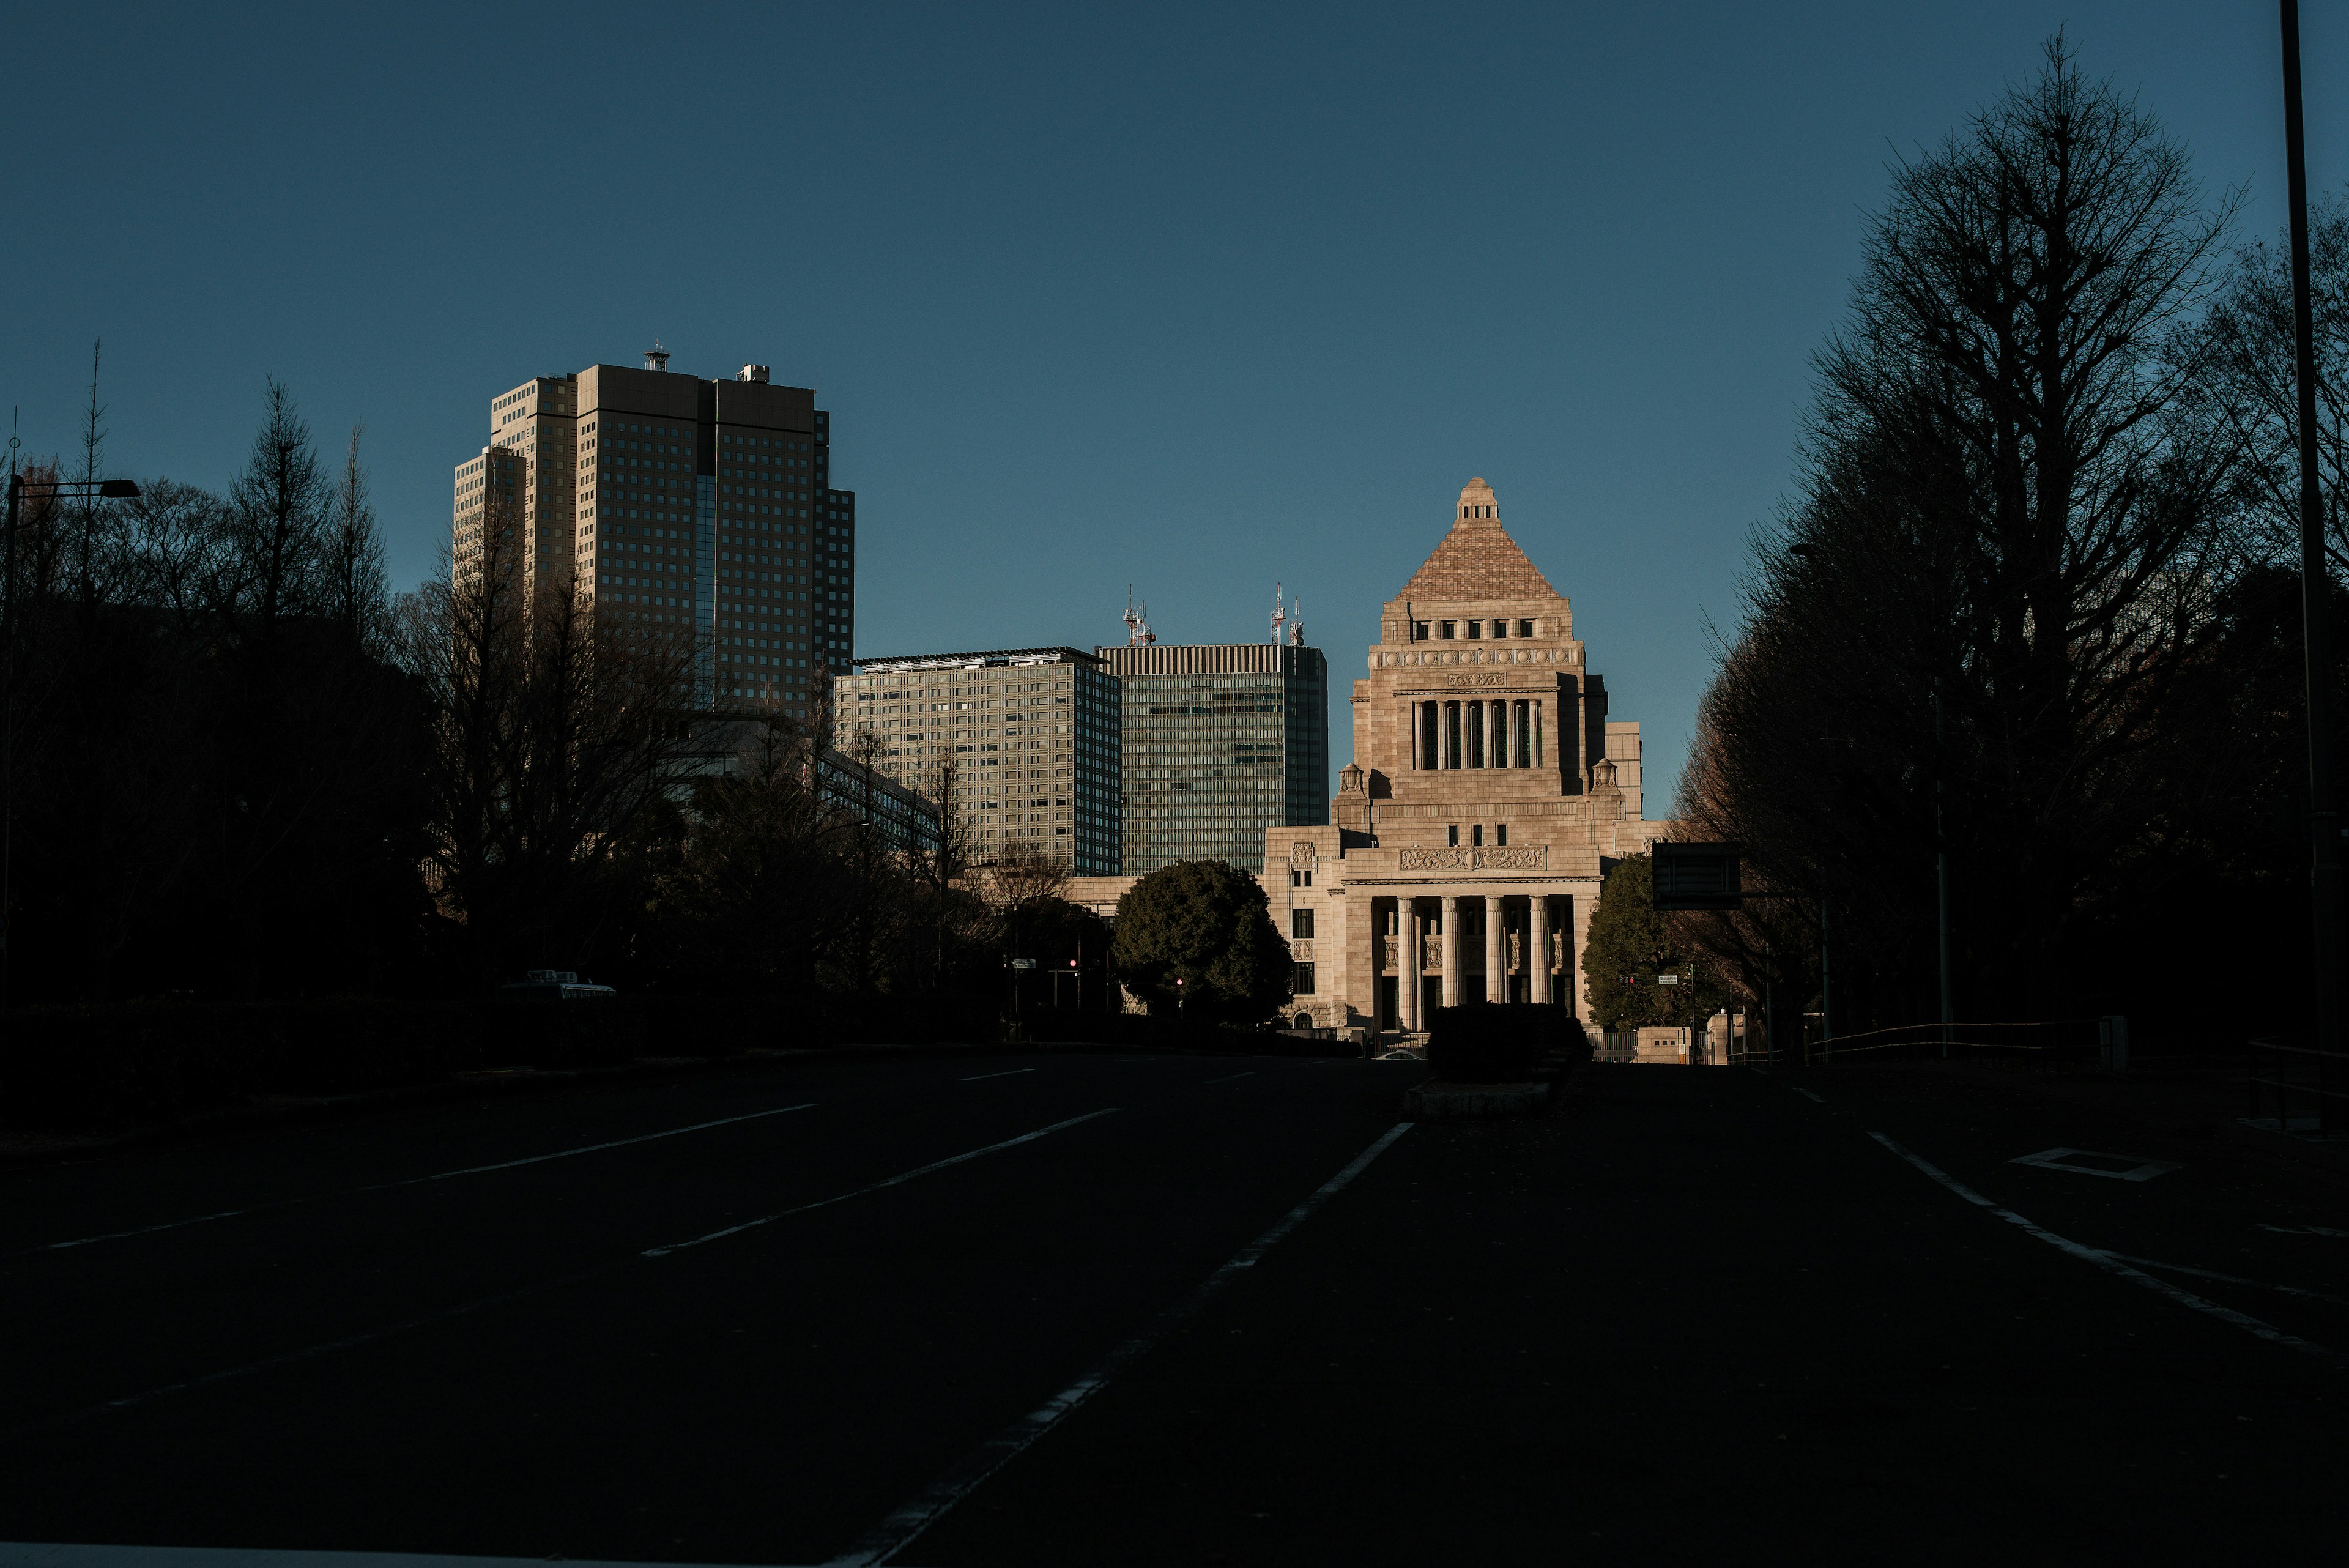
x,y
435,1176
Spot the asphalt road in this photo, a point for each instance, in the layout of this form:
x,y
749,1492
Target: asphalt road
x,y
788,1315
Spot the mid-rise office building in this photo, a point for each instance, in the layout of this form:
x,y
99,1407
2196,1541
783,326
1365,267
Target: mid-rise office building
x,y
1022,744
1219,742
684,508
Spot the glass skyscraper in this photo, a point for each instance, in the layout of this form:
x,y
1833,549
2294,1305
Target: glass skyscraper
x,y
1218,742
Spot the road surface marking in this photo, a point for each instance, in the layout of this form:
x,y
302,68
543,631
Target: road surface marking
x,y
590,1147
1213,1082
2303,1230
520,1293
2137,1168
899,1531
2113,1265
898,1179
54,1554
1808,1096
1008,1072
166,1225
417,1180
2229,1279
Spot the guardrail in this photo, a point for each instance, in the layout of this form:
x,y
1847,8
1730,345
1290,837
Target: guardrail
x,y
2030,1046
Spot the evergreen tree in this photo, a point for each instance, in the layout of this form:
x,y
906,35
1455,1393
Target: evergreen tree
x,y
1630,938
1208,925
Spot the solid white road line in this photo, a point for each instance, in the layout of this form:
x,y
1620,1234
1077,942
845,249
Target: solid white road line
x,y
1012,1072
437,1175
2113,1265
1808,1096
2229,1279
1213,1082
876,1186
2303,1230
899,1531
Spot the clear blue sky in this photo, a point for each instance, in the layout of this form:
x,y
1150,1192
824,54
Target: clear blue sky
x,y
1195,298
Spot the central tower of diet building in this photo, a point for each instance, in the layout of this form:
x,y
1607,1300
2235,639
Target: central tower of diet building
x,y
1488,797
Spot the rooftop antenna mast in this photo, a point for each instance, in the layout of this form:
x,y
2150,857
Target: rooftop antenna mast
x,y
1280,614
1296,623
1137,628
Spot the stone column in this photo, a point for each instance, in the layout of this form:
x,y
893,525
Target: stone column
x,y
1407,967
1497,953
1537,949
1452,952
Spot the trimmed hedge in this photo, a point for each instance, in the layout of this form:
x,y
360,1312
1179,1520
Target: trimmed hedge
x,y
1502,1042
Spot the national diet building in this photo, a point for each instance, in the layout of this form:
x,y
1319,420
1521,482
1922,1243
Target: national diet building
x,y
1488,797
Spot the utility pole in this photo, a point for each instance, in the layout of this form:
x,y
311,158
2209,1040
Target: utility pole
x,y
1826,996
1941,865
2324,823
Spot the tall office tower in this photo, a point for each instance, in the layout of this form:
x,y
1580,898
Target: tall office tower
x,y
1030,735
524,484
1219,742
695,509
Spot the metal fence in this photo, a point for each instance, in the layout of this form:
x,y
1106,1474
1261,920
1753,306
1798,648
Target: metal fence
x,y
2298,1088
2030,1046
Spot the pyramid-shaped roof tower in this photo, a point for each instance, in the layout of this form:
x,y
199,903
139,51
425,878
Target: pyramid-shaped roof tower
x,y
1478,560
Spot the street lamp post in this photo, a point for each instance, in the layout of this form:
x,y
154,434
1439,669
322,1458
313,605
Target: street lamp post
x,y
87,489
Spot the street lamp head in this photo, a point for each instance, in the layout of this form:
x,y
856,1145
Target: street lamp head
x,y
119,490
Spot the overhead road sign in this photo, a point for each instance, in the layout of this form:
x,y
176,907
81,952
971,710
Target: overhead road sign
x,y
1696,876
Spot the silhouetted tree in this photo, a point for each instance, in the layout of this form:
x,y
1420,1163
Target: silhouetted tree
x,y
2004,556
1208,925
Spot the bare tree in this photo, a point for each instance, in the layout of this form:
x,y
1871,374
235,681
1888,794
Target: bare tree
x,y
942,863
556,735
2251,384
2007,544
356,583
280,517
755,900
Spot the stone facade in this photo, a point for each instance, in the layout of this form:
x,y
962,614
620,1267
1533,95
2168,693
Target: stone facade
x,y
1488,797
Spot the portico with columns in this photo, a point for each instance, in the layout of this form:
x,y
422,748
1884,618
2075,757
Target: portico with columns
x,y
1488,797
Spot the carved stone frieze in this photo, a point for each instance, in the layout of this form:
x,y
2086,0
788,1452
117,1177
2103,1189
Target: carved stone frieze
x,y
1476,858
